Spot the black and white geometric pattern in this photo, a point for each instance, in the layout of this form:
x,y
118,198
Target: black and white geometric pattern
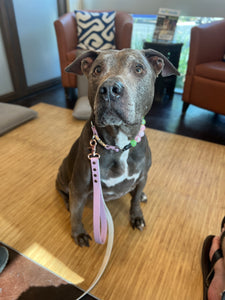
x,y
96,30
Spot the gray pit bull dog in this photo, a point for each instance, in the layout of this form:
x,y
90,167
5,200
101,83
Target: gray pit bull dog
x,y
120,91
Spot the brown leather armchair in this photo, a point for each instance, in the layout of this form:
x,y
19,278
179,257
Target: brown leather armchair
x,y
66,33
205,78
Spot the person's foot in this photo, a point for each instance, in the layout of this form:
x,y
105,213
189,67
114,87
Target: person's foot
x,y
217,285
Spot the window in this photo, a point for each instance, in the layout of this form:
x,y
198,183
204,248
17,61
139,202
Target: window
x,y
143,29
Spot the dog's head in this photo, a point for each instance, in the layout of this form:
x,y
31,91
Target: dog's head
x,y
121,82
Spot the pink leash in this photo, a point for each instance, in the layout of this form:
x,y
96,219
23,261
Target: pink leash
x,y
99,216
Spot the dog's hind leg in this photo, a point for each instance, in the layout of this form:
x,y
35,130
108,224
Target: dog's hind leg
x,y
63,189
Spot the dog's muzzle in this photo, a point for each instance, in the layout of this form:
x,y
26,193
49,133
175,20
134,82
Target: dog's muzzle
x,y
111,90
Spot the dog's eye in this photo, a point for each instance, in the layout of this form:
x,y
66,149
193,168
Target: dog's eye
x,y
97,70
139,69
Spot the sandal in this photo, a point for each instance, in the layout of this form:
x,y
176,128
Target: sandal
x,y
4,256
223,223
207,265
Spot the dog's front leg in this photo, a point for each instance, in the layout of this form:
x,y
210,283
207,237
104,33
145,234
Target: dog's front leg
x,y
136,215
77,204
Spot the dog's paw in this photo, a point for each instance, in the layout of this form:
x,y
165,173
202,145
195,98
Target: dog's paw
x,y
138,223
82,240
143,198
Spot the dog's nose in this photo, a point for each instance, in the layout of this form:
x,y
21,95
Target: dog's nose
x,y
111,90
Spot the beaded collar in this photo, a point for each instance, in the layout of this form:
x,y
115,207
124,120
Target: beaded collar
x,y
132,143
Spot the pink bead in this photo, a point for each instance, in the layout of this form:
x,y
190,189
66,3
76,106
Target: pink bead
x,y
142,128
141,134
138,139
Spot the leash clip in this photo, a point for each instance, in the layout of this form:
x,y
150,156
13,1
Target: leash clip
x,y
93,153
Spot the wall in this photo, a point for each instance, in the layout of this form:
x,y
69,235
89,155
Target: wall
x,y
5,78
203,8
37,38
74,4
29,58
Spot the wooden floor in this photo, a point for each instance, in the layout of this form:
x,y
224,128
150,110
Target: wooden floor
x,y
186,192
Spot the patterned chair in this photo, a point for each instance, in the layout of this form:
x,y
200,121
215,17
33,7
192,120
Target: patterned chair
x,y
66,33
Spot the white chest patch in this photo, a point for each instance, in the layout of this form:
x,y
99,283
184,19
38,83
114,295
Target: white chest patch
x,y
121,141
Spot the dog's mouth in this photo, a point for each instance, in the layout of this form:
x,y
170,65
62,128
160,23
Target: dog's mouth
x,y
106,116
115,113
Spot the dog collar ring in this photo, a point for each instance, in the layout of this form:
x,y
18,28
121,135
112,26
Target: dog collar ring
x,y
93,153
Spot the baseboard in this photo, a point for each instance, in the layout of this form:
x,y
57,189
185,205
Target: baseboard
x,y
14,96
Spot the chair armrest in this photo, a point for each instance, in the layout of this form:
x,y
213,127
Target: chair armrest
x,y
66,33
123,27
207,44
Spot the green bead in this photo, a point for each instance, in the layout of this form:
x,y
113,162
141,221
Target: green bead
x,y
143,121
133,143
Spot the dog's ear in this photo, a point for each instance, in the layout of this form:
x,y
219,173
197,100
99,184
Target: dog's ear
x,y
81,65
160,63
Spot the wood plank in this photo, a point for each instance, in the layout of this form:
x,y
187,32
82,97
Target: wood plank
x,y
186,203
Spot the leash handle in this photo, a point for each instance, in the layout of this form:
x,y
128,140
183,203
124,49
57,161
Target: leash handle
x,y
107,252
